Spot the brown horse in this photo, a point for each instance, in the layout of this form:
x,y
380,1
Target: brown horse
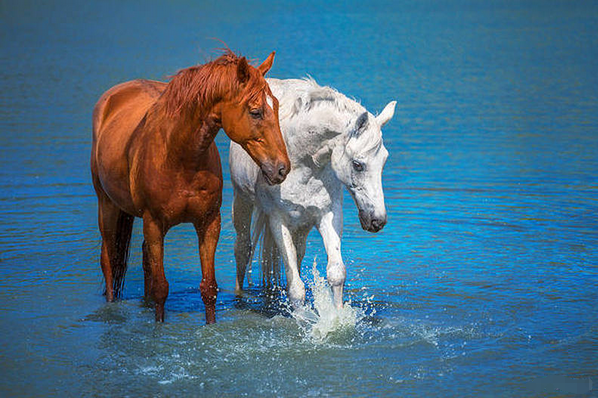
x,y
154,157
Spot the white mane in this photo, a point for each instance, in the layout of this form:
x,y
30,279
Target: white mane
x,y
305,94
304,101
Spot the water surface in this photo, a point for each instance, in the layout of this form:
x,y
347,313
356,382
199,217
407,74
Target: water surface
x,y
483,283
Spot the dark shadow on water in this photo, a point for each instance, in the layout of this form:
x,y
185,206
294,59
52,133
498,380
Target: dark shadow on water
x,y
264,301
110,313
268,302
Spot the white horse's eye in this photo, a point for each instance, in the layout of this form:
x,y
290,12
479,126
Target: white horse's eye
x,y
357,166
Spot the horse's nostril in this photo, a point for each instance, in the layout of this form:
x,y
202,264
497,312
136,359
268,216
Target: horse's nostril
x,y
377,224
282,170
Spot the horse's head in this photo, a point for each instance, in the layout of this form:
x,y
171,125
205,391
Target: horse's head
x,y
359,163
250,118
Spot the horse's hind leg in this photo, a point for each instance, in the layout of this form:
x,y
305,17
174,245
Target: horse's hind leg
x,y
300,241
284,241
242,210
115,227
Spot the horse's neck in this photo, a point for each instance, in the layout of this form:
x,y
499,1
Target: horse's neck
x,y
311,144
186,136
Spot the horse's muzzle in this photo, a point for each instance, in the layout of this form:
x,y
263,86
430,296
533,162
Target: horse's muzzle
x,y
372,223
275,173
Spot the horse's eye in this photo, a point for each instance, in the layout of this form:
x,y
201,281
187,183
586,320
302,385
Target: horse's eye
x,y
357,166
256,113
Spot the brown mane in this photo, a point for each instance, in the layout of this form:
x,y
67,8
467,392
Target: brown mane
x,y
200,87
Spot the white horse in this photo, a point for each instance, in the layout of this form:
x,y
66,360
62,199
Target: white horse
x,y
331,141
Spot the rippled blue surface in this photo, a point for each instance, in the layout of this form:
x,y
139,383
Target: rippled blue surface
x,y
483,283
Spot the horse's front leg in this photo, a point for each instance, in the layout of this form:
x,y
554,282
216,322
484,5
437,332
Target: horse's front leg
x,y
284,240
331,229
207,235
153,233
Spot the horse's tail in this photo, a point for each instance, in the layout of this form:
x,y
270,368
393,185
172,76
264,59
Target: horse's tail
x,y
270,256
124,227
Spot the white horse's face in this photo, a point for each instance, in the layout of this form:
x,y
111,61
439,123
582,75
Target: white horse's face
x,y
359,166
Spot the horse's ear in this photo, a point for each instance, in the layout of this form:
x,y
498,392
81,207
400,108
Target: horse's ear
x,y
267,64
243,70
386,114
360,124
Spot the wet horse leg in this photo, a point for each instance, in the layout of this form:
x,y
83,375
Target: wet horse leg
x,y
331,229
154,252
207,235
147,274
284,241
115,228
300,242
242,210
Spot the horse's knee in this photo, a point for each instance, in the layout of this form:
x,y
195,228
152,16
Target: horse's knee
x,y
209,291
336,275
160,291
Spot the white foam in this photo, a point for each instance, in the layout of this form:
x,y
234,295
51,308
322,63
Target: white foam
x,y
324,319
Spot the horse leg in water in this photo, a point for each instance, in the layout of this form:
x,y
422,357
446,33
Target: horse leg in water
x,y
147,274
242,211
207,235
153,234
115,228
284,240
331,229
300,242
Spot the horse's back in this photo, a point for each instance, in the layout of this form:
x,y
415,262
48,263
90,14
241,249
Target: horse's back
x,y
129,100
116,115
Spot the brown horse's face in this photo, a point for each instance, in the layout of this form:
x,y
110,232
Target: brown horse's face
x,y
251,120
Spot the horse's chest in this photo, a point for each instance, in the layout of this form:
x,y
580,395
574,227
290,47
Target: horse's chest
x,y
305,203
303,216
202,192
189,200
311,193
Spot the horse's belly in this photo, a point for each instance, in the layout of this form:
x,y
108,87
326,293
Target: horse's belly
x,y
113,175
116,116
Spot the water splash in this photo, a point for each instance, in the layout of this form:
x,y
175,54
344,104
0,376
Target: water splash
x,y
323,321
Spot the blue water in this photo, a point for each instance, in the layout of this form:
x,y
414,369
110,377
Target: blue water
x,y
483,283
